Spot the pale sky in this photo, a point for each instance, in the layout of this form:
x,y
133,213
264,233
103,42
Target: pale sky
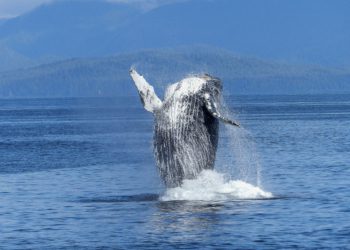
x,y
11,8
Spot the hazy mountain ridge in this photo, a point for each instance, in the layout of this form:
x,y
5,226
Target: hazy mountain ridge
x,y
66,29
11,59
109,76
294,31
297,31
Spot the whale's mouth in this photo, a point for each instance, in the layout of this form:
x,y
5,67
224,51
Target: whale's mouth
x,y
212,186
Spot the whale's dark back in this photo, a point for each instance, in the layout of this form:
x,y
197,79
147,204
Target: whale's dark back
x,y
185,139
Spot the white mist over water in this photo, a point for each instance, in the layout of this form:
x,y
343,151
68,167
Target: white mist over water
x,y
239,157
242,157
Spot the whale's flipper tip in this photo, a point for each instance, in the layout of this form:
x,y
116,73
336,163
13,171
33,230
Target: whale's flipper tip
x,y
132,70
150,100
235,123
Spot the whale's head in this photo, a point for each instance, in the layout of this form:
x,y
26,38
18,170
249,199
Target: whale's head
x,y
195,85
212,90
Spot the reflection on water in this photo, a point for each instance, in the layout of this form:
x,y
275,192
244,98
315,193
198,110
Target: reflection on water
x,y
184,221
189,206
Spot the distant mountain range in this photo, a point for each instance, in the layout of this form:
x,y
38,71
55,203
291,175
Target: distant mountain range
x,y
176,38
108,76
294,31
63,29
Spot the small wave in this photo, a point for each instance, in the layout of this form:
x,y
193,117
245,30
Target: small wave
x,y
212,186
123,198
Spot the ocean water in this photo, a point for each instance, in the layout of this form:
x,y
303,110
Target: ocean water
x,y
79,174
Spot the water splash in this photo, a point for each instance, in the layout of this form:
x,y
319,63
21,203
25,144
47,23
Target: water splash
x,y
244,156
238,155
239,163
211,185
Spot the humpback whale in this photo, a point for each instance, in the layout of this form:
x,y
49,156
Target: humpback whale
x,y
186,127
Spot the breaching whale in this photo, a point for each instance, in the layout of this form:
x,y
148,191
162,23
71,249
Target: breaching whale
x,y
186,127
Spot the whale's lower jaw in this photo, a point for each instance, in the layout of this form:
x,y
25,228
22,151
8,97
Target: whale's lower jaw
x,y
178,163
183,152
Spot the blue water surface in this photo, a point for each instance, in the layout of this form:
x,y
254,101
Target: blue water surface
x,y
79,174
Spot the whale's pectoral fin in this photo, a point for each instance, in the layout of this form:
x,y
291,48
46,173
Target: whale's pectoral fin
x,y
149,99
212,107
